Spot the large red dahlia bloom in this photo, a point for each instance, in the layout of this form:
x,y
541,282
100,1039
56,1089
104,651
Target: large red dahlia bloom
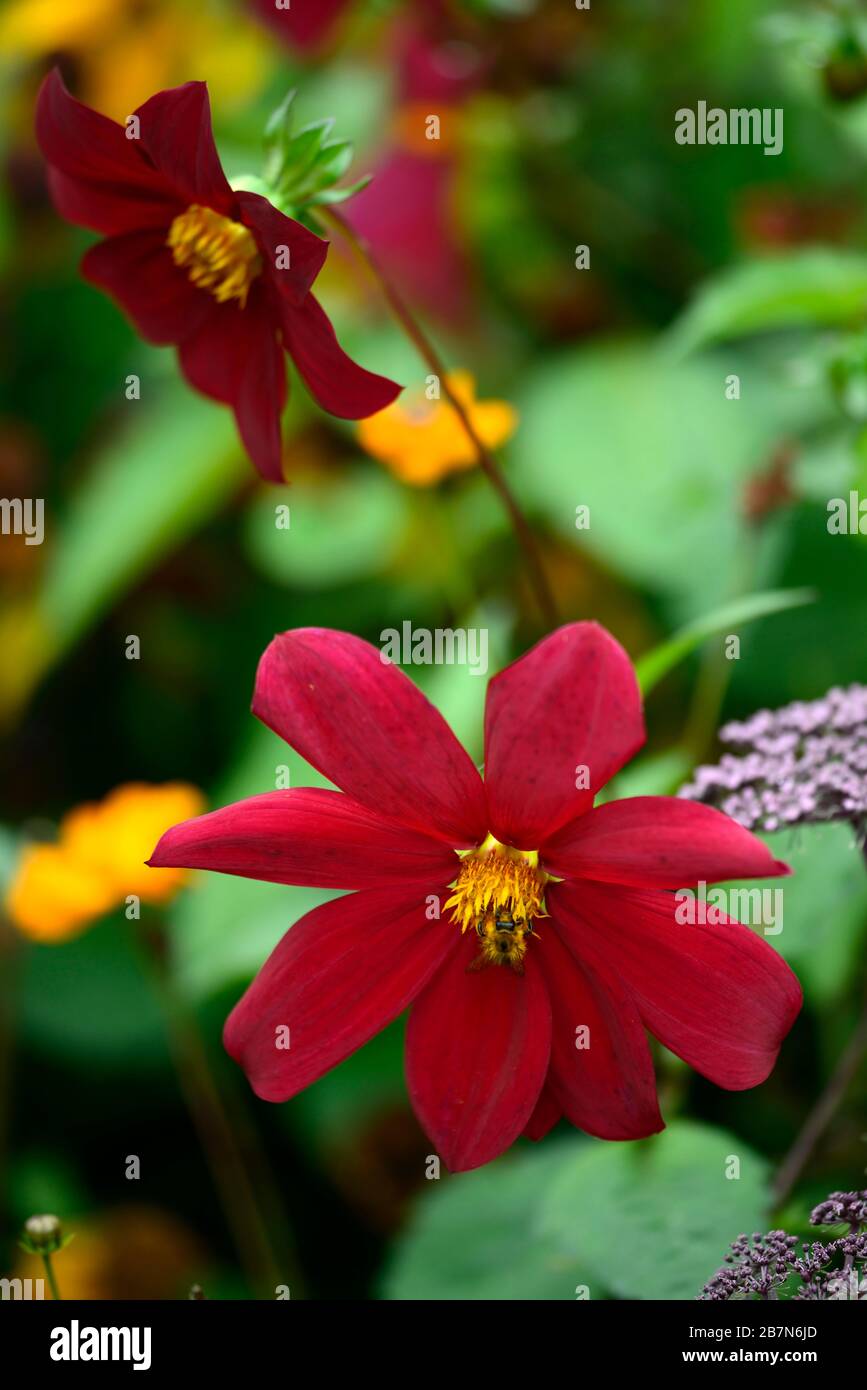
x,y
220,274
533,935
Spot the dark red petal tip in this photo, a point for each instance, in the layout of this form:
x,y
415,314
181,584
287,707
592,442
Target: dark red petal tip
x,y
658,842
369,729
477,1051
335,382
176,135
316,1000
308,836
718,995
559,722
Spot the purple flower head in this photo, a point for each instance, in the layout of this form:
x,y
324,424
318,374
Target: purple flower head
x,y
848,1207
757,1264
800,765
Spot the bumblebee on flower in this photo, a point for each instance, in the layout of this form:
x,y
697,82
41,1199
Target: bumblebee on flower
x,y
494,1001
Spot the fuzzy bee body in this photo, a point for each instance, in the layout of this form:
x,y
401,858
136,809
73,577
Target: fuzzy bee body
x,y
503,937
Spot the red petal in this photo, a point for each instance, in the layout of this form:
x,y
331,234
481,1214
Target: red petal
x,y
571,703
176,135
138,271
366,727
338,977
658,842
275,234
98,178
477,1050
337,383
546,1115
607,1088
235,357
106,208
718,996
305,836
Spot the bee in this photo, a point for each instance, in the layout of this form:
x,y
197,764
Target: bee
x,y
504,940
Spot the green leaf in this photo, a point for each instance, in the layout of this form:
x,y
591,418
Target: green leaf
x,y
332,162
658,455
477,1236
302,152
278,133
651,667
343,526
328,196
88,1000
654,1219
803,289
328,1114
656,774
161,478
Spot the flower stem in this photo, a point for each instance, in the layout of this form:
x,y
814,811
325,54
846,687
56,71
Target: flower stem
x,y
823,1111
49,1275
487,462
229,1170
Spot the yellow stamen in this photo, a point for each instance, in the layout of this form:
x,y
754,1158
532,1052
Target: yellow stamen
x,y
499,891
218,254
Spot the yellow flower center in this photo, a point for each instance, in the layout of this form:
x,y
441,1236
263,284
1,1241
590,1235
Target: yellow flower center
x,y
499,892
218,254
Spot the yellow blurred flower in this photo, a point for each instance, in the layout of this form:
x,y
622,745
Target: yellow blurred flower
x,y
423,440
98,861
125,50
52,897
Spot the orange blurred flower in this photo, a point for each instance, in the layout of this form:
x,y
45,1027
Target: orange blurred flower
x,y
417,129
423,440
124,50
98,861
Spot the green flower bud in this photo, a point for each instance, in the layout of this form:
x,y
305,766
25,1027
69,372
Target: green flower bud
x,y
43,1235
303,165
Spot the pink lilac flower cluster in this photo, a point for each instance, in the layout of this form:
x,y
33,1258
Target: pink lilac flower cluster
x,y
799,765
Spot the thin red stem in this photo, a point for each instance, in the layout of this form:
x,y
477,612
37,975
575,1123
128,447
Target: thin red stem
x,y
487,462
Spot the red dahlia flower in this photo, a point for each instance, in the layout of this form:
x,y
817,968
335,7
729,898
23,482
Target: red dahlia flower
x,y
220,274
509,913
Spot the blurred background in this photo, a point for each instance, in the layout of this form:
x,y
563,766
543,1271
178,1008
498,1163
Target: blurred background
x,y
556,132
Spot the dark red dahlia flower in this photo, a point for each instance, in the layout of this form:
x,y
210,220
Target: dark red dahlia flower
x,y
533,935
220,274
